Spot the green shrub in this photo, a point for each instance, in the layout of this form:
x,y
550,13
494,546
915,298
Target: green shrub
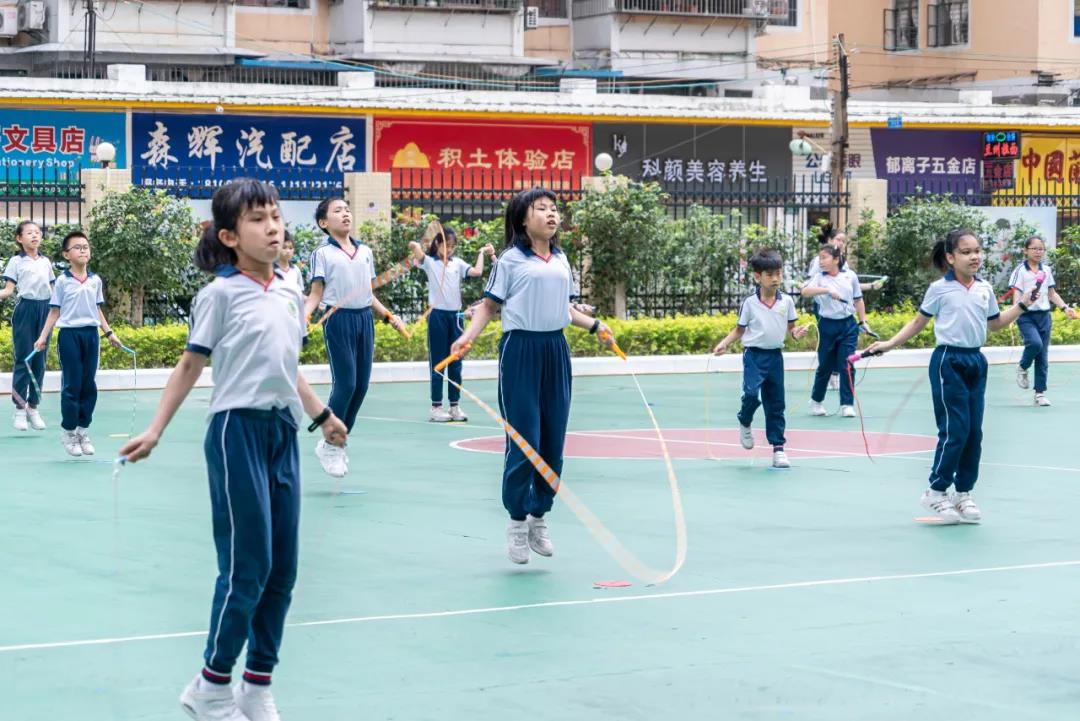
x,y
161,346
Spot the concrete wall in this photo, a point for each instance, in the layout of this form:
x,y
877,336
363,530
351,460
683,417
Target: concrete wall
x,y
550,41
160,24
444,34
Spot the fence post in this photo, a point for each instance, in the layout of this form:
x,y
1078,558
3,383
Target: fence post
x,y
96,183
368,195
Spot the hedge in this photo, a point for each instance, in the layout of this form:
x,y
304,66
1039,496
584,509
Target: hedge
x,y
160,346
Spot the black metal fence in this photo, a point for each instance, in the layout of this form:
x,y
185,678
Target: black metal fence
x,y
777,212
452,193
46,195
1033,192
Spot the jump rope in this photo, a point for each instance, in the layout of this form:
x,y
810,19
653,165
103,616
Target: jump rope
x,y
604,536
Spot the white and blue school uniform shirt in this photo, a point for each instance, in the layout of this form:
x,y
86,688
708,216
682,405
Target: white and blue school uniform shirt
x,y
293,275
766,325
846,284
78,300
346,277
254,331
815,267
32,276
444,281
960,312
534,291
1023,280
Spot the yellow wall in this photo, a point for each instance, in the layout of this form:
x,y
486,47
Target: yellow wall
x,y
284,31
1005,40
551,41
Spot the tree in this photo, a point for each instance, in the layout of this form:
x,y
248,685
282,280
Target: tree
x,y
143,240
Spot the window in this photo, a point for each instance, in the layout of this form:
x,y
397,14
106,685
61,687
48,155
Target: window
x,y
902,26
947,24
785,13
550,8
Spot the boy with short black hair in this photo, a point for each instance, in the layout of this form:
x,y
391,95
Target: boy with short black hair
x,y
765,319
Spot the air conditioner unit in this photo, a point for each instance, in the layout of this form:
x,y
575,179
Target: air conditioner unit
x,y
9,21
32,15
532,18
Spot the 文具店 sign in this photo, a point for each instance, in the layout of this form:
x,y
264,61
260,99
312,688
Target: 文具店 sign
x,y
40,140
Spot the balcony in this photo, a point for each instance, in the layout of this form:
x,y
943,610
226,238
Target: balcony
x,y
901,29
947,25
758,9
479,6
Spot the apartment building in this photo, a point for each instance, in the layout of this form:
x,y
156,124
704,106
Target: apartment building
x,y
1021,52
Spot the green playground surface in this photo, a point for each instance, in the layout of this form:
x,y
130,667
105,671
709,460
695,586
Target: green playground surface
x,y
809,594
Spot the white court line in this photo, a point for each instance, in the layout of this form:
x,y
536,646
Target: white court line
x,y
562,604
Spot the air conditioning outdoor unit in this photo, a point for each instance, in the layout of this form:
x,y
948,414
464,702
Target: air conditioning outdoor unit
x,y
532,18
32,15
9,21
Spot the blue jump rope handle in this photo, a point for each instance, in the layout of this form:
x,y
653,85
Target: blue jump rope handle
x,y
29,357
122,460
127,350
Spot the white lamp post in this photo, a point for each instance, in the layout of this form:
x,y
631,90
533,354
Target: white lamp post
x,y
106,154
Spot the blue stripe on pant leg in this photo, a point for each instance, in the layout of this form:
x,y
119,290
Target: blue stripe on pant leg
x,y
753,377
90,349
1029,333
519,403
556,382
268,621
237,460
772,398
365,356
438,348
951,411
967,473
27,321
71,377
846,342
454,369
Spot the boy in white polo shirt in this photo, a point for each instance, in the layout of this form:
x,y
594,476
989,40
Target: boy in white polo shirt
x,y
765,319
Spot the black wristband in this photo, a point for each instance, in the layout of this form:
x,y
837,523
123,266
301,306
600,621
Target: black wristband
x,y
107,334
320,419
595,327
1022,306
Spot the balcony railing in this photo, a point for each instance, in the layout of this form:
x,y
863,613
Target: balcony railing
x,y
761,9
550,8
901,29
487,6
947,24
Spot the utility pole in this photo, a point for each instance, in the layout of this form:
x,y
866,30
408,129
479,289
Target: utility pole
x,y
90,41
838,167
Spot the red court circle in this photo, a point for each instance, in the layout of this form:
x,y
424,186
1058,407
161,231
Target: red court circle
x,y
718,443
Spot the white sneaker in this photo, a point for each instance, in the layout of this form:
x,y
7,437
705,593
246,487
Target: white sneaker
x,y
204,701
84,441
816,409
20,420
256,702
940,504
36,421
834,382
333,459
438,415
1041,400
517,541
966,507
538,536
780,460
847,412
457,415
70,442
746,437
1022,378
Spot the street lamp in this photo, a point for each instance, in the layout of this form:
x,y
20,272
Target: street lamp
x,y
106,154
603,162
